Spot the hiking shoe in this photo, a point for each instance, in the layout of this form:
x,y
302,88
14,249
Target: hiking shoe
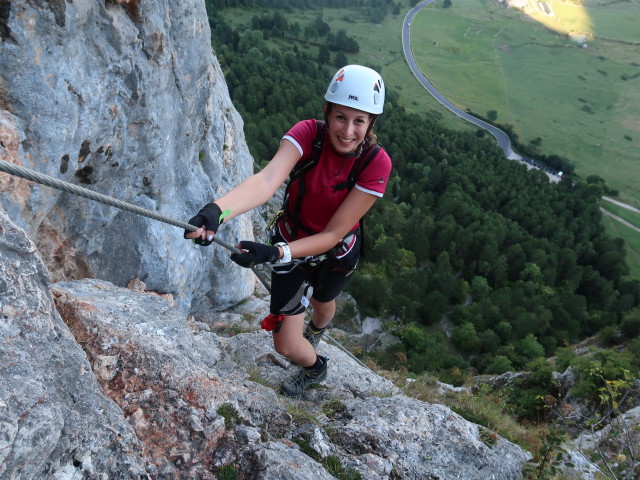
x,y
313,335
298,382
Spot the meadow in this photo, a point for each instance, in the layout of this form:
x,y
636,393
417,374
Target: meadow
x,y
577,99
484,56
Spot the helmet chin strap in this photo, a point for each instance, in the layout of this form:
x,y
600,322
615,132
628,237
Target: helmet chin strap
x,y
356,153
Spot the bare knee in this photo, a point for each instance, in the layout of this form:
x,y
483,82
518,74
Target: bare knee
x,y
324,308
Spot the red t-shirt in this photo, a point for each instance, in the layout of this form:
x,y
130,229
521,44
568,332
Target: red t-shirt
x,y
320,200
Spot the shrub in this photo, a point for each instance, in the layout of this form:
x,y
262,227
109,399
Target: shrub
x,y
634,350
630,325
227,472
610,366
607,336
230,415
500,364
334,466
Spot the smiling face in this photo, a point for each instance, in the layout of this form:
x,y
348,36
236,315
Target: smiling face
x,y
347,128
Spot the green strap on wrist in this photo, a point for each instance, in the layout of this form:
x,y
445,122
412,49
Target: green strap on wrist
x,y
223,214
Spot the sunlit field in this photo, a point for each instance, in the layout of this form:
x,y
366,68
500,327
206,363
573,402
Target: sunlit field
x,y
574,82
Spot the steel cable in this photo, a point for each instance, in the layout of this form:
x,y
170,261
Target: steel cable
x,y
58,184
112,202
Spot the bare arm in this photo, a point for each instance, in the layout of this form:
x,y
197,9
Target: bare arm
x,y
258,188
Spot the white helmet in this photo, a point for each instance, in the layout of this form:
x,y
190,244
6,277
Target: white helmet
x,y
357,87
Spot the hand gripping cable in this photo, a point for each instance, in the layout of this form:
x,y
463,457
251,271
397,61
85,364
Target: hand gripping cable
x,y
52,182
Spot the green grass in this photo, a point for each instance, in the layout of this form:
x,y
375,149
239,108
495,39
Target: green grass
x,y
631,238
380,45
612,20
486,57
632,217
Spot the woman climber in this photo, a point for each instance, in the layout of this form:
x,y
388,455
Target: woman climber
x,y
337,171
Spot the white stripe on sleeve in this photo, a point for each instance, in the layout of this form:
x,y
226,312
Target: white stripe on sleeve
x,y
292,140
366,190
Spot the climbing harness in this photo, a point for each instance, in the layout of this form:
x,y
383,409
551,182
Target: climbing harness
x,y
52,182
363,155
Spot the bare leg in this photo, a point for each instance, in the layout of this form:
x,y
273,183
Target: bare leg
x,y
290,342
323,312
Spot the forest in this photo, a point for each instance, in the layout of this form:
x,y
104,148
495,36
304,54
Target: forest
x,y
477,262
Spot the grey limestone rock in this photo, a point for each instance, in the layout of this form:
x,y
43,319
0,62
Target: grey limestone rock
x,y
125,98
145,390
55,420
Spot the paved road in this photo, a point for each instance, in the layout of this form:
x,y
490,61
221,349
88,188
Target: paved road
x,y
502,138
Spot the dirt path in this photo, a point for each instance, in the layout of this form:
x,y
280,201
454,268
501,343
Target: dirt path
x,y
621,220
623,205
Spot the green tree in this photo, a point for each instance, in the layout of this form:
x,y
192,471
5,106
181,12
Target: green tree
x,y
529,349
324,55
500,364
465,338
630,325
321,27
479,287
341,60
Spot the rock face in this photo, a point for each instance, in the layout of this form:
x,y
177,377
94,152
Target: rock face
x,y
125,98
54,417
98,381
145,391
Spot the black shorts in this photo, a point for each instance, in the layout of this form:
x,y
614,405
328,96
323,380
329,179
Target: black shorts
x,y
328,279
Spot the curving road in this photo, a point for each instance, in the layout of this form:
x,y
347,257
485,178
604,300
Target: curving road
x,y
502,138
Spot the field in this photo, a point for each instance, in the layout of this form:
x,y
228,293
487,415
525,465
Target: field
x,y
572,79
484,57
380,45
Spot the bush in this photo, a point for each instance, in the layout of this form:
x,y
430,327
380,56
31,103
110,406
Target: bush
x,y
499,365
465,337
607,336
527,396
564,358
334,467
227,472
230,415
634,350
527,402
610,365
393,357
630,325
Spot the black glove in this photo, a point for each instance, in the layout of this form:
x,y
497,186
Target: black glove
x,y
256,253
209,216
